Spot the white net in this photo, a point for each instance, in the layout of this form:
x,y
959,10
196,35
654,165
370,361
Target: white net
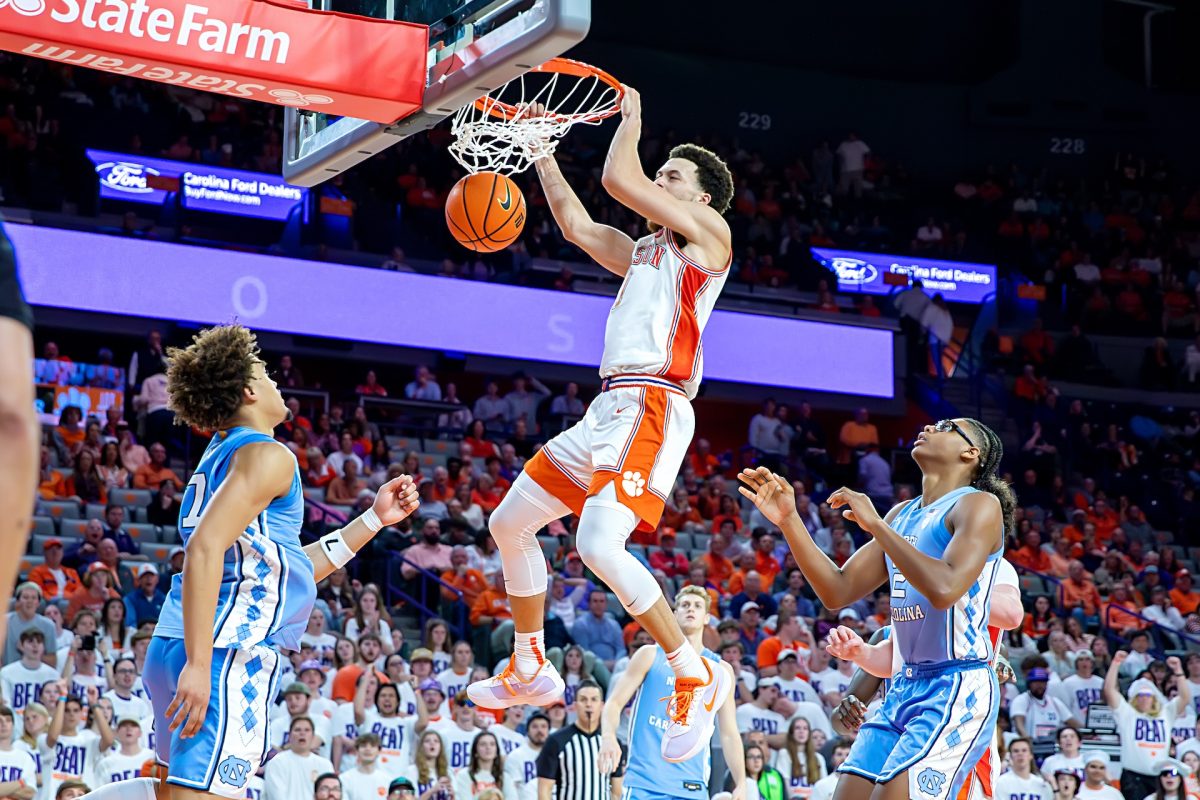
x,y
502,132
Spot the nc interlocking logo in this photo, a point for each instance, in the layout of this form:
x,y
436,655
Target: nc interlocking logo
x,y
28,8
930,781
633,483
287,97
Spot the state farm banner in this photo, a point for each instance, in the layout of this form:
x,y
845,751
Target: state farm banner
x,y
258,49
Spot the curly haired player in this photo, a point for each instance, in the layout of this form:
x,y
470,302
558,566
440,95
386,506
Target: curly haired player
x,y
247,585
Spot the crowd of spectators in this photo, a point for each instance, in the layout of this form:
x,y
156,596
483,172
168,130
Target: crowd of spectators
x,y
1098,542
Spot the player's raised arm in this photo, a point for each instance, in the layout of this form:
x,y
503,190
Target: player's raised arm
x,y
609,247
693,215
395,500
835,586
258,473
976,519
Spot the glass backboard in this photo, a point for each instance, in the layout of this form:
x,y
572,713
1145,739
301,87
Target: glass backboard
x,y
475,46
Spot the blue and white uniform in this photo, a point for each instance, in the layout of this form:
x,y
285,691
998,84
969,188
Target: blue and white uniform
x,y
266,594
939,714
648,777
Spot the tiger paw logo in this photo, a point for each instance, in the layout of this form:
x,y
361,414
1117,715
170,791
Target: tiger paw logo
x,y
27,8
633,483
285,97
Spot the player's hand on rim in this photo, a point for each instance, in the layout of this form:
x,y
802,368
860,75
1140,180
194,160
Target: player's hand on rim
x,y
609,756
396,499
771,493
860,511
631,102
188,709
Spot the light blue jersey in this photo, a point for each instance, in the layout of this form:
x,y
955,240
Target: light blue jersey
x,y
267,588
924,634
647,771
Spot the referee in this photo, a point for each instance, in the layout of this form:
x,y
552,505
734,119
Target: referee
x,y
19,430
567,767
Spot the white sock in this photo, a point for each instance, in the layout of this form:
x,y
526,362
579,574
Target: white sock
x,y
529,650
686,662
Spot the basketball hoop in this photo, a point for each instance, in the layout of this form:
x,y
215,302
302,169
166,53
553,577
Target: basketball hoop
x,y
496,133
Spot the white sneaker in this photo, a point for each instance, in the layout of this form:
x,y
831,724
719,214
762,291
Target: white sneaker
x,y
509,689
693,712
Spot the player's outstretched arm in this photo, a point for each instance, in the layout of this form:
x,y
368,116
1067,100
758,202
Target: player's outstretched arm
x,y
975,521
394,501
624,179
835,586
619,695
731,740
258,474
19,435
609,247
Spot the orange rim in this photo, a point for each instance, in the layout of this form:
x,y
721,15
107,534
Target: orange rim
x,y
563,66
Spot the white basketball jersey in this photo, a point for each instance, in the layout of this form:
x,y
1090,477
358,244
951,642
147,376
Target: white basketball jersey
x,y
654,326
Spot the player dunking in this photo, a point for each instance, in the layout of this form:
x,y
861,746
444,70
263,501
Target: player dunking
x,y
644,681
615,467
247,585
940,554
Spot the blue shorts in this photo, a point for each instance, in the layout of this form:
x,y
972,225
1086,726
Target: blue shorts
x,y
936,722
232,742
636,793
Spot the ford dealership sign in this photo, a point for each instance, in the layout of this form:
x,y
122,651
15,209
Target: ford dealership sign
x,y
957,281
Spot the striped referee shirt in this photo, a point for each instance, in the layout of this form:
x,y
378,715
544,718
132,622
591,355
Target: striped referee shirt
x,y
569,758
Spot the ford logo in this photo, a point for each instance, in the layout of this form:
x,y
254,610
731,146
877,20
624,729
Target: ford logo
x,y
125,176
852,270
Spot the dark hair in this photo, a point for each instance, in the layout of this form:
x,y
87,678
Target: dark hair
x,y
205,381
5,711
712,174
987,478
1024,739
324,776
588,683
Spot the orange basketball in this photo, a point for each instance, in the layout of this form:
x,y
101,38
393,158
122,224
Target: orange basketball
x,y
485,212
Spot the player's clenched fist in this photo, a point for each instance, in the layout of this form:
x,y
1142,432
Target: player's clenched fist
x,y
396,499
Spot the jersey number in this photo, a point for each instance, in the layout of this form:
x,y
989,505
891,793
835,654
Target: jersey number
x,y
898,585
199,483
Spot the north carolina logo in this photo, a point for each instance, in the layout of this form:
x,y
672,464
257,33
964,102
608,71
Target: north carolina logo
x,y
28,8
123,176
234,771
633,483
853,270
930,781
290,97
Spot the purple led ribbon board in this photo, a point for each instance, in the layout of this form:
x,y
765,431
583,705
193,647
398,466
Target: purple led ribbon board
x,y
115,275
862,273
129,178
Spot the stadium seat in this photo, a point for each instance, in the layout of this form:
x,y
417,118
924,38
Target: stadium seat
x,y
29,562
37,543
404,443
683,541
549,546
62,509
142,532
315,494
94,511
440,447
1032,585
131,497
169,534
433,460
157,552
43,526
72,528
